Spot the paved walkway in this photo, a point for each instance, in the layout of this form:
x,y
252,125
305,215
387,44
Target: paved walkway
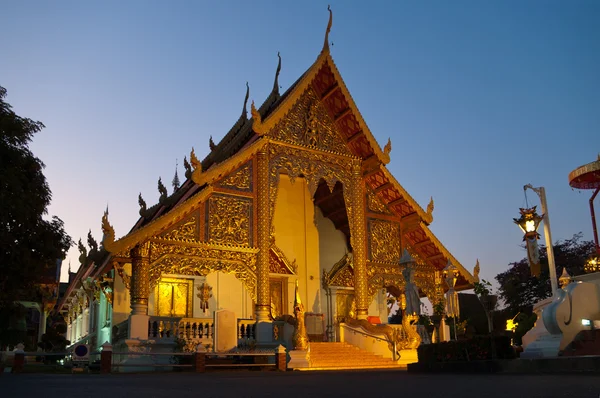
x,y
242,384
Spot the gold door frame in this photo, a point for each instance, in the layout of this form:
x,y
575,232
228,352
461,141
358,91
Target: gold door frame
x,y
179,281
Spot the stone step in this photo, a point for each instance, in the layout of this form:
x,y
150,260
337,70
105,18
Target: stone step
x,y
344,356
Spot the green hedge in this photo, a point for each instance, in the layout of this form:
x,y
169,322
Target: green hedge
x,y
475,349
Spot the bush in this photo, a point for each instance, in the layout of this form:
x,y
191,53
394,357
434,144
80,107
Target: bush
x,y
475,349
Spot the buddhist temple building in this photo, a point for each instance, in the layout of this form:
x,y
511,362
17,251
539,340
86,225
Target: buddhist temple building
x,y
296,193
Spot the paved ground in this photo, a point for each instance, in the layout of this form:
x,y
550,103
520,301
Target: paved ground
x,y
243,384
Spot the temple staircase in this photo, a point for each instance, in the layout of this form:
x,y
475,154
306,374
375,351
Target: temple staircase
x,y
340,356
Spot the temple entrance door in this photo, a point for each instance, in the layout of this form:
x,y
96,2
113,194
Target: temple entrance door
x,y
174,297
278,292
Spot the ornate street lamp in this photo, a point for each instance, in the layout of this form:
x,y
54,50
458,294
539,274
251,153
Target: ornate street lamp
x,y
529,222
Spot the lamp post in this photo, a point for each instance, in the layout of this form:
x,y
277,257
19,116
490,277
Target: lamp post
x,y
541,192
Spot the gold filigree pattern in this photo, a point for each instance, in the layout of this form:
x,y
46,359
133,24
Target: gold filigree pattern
x,y
201,259
263,195
119,267
375,205
240,180
356,220
341,273
384,241
229,220
280,264
185,231
140,286
308,124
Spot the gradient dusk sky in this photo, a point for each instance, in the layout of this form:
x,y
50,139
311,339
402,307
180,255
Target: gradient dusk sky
x,y
478,97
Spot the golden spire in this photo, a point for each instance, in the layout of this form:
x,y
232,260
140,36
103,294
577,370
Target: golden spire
x,y
326,44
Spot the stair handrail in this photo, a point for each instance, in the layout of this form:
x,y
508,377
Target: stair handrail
x,y
393,347
375,331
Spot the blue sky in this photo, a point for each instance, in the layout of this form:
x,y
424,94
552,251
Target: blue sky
x,y
479,98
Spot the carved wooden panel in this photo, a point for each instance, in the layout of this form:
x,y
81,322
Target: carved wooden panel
x,y
384,241
308,124
239,180
229,220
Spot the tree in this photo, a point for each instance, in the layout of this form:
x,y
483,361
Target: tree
x,y
30,244
520,291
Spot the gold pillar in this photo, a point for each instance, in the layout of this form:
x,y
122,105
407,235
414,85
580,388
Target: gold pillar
x,y
358,236
263,240
140,282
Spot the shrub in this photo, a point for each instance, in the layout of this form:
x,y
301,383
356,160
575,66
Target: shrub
x,y
477,348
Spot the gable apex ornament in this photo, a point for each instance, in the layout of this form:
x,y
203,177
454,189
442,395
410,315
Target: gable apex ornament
x,y
326,43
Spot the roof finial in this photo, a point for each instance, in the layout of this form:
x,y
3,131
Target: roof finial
x,y
245,110
326,44
175,181
276,83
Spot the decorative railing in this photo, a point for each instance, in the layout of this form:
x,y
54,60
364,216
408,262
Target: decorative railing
x,y
198,330
246,332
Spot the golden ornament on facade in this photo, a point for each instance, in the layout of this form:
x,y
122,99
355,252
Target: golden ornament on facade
x,y
308,124
375,205
184,231
229,220
240,179
200,259
120,268
385,241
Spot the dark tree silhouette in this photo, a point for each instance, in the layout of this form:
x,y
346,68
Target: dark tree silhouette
x,y
30,244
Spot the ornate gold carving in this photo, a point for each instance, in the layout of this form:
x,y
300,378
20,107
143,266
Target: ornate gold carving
x,y
388,148
240,179
430,207
280,264
204,294
375,205
153,228
264,220
229,220
140,286
257,125
356,213
341,273
385,241
200,259
308,124
119,267
184,231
